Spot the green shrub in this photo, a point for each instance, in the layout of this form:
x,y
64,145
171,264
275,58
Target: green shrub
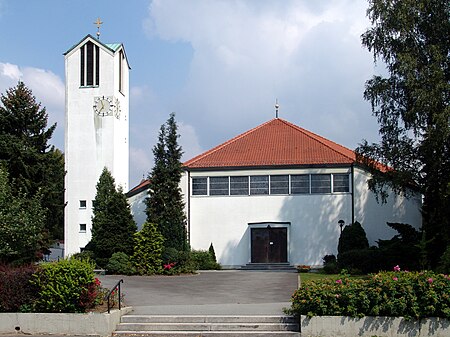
x,y
352,237
202,260
330,264
120,264
444,263
361,261
65,286
84,255
148,249
407,294
16,291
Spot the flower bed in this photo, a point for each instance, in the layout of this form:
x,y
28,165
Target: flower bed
x,y
412,295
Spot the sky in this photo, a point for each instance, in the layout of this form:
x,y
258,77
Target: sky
x,y
220,65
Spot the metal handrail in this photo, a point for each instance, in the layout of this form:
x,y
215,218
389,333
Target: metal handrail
x,y
107,297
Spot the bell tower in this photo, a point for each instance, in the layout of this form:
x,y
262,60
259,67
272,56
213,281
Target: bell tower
x,y
96,130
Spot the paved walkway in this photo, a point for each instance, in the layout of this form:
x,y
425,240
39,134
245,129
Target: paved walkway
x,y
209,292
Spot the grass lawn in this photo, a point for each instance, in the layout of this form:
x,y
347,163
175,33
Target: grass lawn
x,y
319,276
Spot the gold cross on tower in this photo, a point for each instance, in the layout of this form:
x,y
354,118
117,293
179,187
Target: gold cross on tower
x,y
98,23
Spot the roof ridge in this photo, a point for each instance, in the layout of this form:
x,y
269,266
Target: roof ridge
x,y
220,146
320,139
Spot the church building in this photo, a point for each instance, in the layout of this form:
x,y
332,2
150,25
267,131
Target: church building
x,y
96,130
279,194
275,194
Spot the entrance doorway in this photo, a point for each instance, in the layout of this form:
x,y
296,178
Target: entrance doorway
x,y
269,245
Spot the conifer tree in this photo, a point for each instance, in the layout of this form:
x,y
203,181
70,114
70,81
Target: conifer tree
x,y
22,221
113,226
148,249
33,165
165,205
412,106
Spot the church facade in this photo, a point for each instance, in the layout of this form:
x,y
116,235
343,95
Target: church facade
x,y
96,130
278,194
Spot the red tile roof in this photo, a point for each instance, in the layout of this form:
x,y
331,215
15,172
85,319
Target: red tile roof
x,y
274,143
143,185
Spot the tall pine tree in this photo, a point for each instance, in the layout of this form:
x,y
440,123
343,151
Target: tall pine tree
x,y
165,206
412,105
113,227
33,165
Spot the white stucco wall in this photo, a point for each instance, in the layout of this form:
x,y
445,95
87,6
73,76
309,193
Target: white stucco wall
x,y
92,142
373,215
313,231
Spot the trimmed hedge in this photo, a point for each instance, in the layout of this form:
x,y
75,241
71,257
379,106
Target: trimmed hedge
x,y
412,295
65,286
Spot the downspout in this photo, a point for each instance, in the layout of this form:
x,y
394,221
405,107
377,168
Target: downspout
x,y
189,208
353,192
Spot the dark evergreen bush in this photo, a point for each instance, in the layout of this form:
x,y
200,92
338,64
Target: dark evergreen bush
x,y
444,264
330,265
352,237
120,264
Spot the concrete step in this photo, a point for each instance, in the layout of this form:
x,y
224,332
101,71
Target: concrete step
x,y
205,334
208,319
269,266
207,325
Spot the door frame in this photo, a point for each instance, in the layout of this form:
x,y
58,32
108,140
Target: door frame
x,y
265,224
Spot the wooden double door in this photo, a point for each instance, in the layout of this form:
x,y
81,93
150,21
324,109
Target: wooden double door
x,y
269,245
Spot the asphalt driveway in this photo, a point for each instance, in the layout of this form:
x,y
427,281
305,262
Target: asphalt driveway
x,y
208,292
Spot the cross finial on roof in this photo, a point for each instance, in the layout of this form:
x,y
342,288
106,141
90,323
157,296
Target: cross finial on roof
x,y
277,106
98,23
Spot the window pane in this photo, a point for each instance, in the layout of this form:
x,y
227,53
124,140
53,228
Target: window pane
x,y
259,185
239,185
82,203
218,185
279,184
300,184
82,228
320,183
199,186
82,83
90,64
341,183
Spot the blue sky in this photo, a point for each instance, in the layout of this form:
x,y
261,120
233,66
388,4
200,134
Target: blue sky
x,y
219,65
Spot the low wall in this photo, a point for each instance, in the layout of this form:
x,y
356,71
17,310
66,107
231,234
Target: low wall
x,y
338,326
96,324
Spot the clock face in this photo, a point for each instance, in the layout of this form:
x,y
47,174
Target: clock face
x,y
103,106
117,109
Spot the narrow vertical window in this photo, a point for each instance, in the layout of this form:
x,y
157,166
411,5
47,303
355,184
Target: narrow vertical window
x,y
121,57
89,65
82,66
97,65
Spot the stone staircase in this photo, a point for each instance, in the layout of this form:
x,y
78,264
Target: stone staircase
x,y
208,325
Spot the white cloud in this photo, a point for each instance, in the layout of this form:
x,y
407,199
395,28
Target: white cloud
x,y
47,88
248,53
